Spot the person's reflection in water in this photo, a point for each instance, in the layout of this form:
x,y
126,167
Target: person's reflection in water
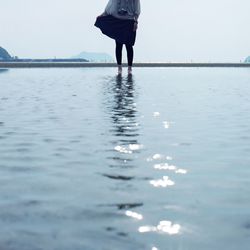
x,y
124,110
121,107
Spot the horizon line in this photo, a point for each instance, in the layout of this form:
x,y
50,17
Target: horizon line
x,y
112,65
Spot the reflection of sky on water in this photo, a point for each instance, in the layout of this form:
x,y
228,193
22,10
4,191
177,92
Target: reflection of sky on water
x,y
82,158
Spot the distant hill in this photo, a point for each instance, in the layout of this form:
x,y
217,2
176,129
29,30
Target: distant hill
x,y
95,57
48,60
247,60
4,55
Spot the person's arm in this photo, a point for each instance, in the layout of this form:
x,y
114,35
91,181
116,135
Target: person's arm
x,y
137,9
137,13
108,7
106,11
136,24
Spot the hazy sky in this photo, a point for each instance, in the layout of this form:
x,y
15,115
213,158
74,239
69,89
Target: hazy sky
x,y
169,30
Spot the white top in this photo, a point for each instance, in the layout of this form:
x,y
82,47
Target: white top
x,y
123,9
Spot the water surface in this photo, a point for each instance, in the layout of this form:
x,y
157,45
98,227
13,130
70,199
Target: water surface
x,y
159,160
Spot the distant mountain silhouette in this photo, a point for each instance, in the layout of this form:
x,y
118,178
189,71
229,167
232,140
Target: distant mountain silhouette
x,y
95,57
4,55
247,60
49,60
82,57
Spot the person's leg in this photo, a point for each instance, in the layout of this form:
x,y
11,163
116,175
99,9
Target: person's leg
x,y
118,53
130,55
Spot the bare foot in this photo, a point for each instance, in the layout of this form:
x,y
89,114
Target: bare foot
x,y
119,70
130,70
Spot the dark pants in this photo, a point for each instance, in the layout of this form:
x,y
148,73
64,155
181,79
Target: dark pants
x,y
118,53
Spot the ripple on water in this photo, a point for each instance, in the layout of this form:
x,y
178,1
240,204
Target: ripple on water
x,y
22,169
119,177
124,206
64,149
247,225
49,140
120,159
66,190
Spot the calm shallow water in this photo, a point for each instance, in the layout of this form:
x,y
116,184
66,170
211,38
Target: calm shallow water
x,y
160,160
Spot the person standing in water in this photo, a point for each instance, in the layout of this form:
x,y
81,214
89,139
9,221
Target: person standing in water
x,y
119,22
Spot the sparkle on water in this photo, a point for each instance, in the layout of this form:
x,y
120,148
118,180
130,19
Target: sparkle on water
x,y
156,157
164,182
134,215
91,160
163,227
